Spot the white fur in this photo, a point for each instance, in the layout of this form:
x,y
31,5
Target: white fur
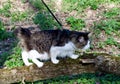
x,y
25,56
34,56
63,51
87,46
55,51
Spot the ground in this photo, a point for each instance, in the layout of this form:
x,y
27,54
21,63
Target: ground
x,y
101,18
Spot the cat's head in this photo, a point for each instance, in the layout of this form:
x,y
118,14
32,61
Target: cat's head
x,y
80,39
22,32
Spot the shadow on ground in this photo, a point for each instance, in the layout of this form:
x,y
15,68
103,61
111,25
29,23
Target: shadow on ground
x,y
85,78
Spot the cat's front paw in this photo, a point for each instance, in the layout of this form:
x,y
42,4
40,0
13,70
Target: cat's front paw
x,y
28,64
40,65
74,56
55,61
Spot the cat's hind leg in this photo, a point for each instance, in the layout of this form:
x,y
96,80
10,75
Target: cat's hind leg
x,y
25,57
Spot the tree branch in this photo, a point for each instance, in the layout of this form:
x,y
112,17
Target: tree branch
x,y
95,61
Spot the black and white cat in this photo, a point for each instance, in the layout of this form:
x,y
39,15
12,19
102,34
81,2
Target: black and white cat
x,y
50,44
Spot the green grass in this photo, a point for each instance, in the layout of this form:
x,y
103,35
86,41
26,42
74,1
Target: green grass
x,y
109,41
43,18
15,16
5,11
110,26
75,24
45,21
37,4
112,13
14,59
80,5
3,33
6,54
111,23
19,16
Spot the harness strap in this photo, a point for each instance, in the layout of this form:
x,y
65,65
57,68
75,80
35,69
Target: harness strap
x,y
52,14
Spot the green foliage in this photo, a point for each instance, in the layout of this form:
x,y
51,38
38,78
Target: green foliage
x,y
5,11
45,21
80,5
6,54
19,16
112,13
111,41
110,26
15,16
101,44
3,58
43,18
76,24
37,4
3,33
15,59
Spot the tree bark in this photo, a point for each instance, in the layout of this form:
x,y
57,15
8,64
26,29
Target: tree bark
x,y
86,63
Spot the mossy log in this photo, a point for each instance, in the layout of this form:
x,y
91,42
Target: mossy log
x,y
86,63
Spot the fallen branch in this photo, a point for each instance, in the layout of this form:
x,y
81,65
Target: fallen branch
x,y
95,61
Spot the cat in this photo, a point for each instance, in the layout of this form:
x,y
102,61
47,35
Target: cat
x,y
50,44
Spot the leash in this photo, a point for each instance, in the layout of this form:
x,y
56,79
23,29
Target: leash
x,y
52,14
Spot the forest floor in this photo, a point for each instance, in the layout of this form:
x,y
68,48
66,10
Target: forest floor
x,y
101,18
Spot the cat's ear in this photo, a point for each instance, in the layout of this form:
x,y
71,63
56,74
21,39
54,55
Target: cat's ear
x,y
81,39
17,30
22,29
